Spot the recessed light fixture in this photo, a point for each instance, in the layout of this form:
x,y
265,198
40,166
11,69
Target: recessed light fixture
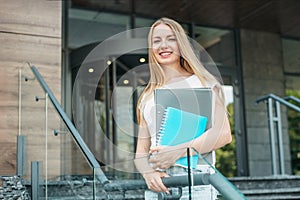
x,y
91,70
126,82
108,62
142,60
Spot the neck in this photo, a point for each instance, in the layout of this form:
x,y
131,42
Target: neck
x,y
175,72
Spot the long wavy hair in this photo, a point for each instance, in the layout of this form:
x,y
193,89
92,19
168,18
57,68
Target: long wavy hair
x,y
189,62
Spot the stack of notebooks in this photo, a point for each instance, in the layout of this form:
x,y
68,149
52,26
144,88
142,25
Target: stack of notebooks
x,y
179,127
183,115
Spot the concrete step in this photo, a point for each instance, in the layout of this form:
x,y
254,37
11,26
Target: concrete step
x,y
266,182
269,187
281,193
281,197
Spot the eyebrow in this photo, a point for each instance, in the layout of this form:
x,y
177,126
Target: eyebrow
x,y
173,35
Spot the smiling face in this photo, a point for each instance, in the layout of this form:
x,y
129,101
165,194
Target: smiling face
x,y
164,45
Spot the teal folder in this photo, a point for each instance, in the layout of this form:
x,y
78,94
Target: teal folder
x,y
194,100
178,127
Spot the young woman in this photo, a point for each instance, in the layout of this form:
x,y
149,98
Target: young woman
x,y
174,64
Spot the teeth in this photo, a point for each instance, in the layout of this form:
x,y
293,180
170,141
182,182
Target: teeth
x,y
165,53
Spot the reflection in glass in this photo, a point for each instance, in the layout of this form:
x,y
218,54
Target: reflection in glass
x,y
90,26
226,156
219,43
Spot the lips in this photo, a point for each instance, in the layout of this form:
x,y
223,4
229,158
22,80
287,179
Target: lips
x,y
165,54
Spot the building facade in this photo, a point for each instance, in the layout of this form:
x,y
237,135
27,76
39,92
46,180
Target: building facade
x,y
254,55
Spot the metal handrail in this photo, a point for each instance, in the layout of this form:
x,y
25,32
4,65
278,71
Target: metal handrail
x,y
178,181
216,179
293,98
280,100
75,134
275,117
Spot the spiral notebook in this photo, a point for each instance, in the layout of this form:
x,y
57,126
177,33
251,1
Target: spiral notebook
x,y
178,127
194,100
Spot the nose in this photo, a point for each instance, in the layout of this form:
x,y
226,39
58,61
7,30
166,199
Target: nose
x,y
164,44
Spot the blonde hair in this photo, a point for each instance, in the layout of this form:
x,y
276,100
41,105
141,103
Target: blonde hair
x,y
190,63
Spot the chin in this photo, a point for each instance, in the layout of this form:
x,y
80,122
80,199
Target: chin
x,y
168,61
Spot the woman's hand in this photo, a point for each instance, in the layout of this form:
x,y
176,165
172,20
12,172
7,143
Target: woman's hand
x,y
164,157
154,181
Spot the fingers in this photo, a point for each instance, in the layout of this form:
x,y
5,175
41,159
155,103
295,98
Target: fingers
x,y
157,162
157,185
164,175
164,165
155,149
163,187
154,182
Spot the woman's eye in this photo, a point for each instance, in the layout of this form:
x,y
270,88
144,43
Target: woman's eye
x,y
156,41
172,39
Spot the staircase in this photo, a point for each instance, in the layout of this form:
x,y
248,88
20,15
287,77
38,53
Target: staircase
x,y
268,188
254,188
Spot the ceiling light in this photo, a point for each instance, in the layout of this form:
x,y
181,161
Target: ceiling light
x,y
126,82
108,62
142,60
91,70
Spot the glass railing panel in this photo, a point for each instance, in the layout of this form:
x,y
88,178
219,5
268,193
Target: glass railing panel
x,y
68,173
31,120
48,142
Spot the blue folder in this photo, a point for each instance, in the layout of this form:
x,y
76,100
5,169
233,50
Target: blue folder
x,y
178,127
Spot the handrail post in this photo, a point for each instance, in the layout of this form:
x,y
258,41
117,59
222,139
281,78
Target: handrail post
x,y
279,136
20,155
35,180
272,137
